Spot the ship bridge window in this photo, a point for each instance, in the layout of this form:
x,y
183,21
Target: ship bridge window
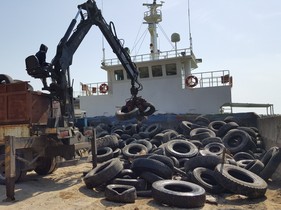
x,y
157,71
171,69
118,74
144,73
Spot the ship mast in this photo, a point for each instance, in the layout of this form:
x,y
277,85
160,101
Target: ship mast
x,y
153,17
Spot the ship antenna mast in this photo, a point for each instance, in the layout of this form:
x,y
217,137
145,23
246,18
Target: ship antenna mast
x,y
152,18
189,27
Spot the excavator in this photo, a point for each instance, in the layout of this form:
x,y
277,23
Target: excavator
x,y
60,88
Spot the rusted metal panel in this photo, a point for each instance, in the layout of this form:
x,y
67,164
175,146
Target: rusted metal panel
x,y
3,106
19,105
16,87
40,108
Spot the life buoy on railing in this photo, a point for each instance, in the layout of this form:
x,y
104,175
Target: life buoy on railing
x,y
103,88
191,81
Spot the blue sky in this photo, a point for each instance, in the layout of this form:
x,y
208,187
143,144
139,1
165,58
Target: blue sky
x,y
243,36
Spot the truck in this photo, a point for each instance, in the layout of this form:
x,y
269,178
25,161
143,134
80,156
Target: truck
x,y
37,129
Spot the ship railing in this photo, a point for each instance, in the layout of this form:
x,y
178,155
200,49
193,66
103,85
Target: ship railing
x,y
93,89
148,57
213,78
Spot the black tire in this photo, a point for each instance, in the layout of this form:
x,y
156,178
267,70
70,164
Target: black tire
x,y
243,156
178,193
206,179
237,141
19,176
167,136
127,116
140,165
150,109
108,141
255,166
230,119
201,120
144,193
181,149
116,152
182,162
120,193
243,163
134,150
197,143
155,142
240,181
164,159
201,133
215,148
185,127
211,140
5,79
271,161
225,128
153,129
127,173
103,173
131,129
139,184
250,131
104,154
150,177
208,161
145,143
216,125
45,165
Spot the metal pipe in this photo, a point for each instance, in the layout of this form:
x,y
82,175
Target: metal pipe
x,y
94,149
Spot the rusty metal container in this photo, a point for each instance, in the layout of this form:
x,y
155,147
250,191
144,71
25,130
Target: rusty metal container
x,y
20,109
18,105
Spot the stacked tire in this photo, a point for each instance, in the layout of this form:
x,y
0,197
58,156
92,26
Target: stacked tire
x,y
178,166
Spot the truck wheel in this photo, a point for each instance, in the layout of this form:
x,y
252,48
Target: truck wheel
x,y
19,174
45,165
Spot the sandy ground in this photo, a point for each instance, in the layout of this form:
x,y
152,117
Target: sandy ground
x,y
65,189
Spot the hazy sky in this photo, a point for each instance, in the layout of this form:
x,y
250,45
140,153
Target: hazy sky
x,y
243,36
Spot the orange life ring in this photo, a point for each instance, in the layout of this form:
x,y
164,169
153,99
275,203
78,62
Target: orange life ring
x,y
103,88
191,81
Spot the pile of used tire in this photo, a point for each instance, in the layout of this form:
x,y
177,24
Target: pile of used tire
x,y
178,166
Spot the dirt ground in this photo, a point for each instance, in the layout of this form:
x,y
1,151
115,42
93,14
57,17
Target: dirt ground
x,y
65,189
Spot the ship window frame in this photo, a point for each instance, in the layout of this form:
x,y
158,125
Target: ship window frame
x,y
119,75
171,69
157,71
143,72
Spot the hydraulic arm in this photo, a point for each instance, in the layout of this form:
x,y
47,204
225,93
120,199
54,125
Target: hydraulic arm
x,y
58,70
